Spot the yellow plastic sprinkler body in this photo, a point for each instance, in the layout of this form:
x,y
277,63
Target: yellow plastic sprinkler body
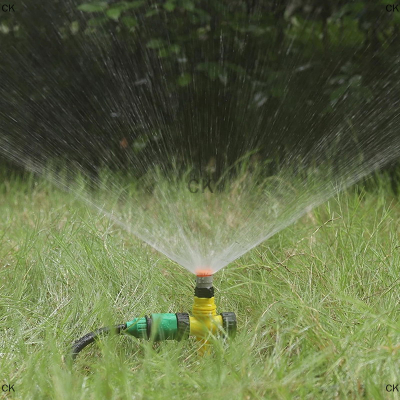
x,y
205,321
203,324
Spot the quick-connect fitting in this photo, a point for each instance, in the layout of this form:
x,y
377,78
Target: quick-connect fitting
x,y
158,327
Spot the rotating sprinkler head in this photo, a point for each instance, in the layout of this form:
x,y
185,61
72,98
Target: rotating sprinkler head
x,y
204,322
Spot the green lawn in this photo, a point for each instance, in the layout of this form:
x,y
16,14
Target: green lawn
x,y
317,305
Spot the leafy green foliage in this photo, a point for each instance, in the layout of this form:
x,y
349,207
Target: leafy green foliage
x,y
191,26
184,79
93,7
130,22
114,10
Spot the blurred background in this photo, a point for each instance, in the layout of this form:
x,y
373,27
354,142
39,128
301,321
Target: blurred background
x,y
133,83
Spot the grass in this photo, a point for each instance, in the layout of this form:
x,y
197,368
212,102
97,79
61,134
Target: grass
x,y
317,305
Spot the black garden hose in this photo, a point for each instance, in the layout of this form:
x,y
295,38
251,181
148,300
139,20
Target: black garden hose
x,y
81,343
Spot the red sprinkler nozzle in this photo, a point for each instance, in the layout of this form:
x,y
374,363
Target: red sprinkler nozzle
x,y
204,271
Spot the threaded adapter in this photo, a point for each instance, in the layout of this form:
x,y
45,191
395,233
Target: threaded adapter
x,y
204,287
183,321
205,293
229,323
204,281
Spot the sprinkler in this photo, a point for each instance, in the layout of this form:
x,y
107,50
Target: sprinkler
x,y
168,326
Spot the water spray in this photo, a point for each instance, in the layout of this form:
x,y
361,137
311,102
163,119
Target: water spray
x,y
203,324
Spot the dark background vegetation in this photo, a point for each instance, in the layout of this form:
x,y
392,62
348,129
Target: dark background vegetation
x,y
117,76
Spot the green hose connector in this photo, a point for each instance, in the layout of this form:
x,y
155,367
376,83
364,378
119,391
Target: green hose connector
x,y
156,327
137,327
